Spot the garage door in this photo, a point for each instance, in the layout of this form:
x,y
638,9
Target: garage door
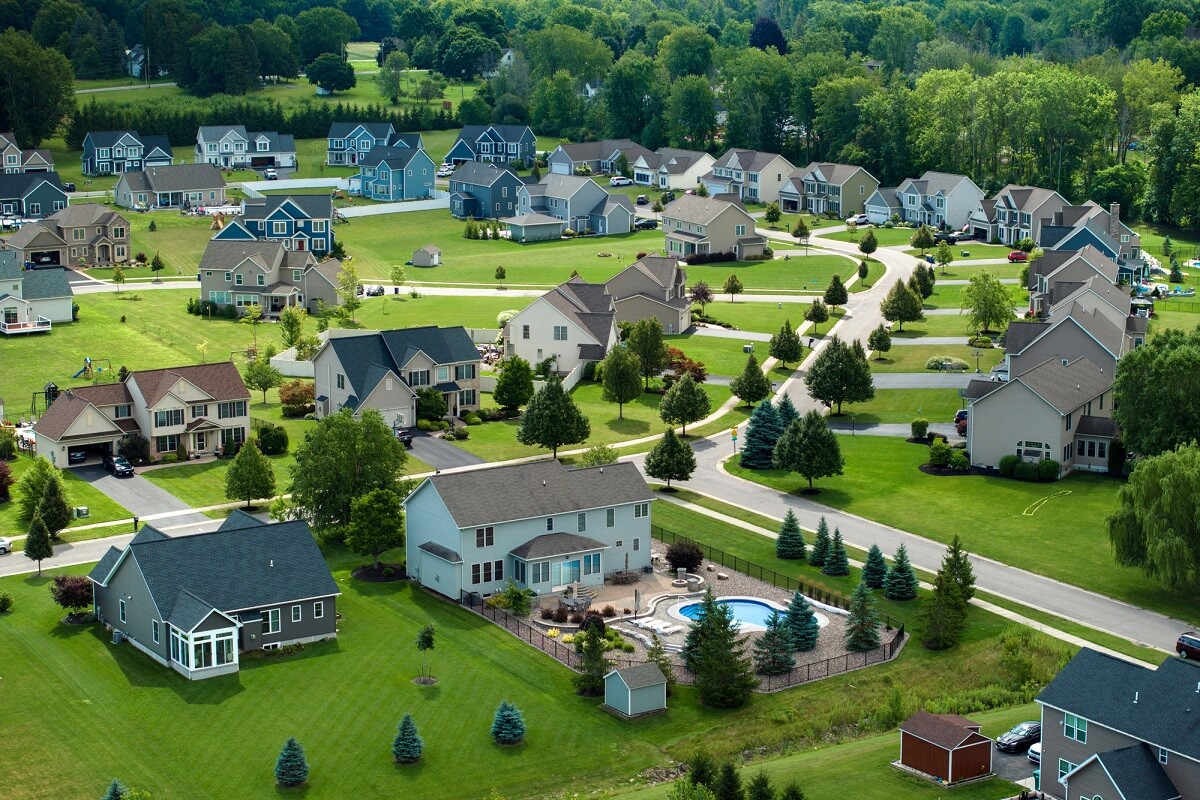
x,y
258,162
876,215
559,168
47,258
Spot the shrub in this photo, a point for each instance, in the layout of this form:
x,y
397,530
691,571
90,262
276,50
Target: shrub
x,y
593,623
686,555
424,425
982,342
170,458
474,420
1008,463
608,611
946,363
72,592
273,440
959,462
6,602
576,619
626,647
462,434
710,258
546,613
441,425
1048,470
920,428
939,453
1025,471
560,615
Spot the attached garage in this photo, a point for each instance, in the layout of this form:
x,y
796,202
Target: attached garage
x,y
560,167
262,162
946,748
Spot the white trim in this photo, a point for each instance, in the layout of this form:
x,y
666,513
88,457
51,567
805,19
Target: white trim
x,y
318,605
283,602
297,613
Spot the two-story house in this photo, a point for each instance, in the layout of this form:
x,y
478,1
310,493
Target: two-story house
x,y
233,147
939,200
493,144
1015,213
14,160
350,141
672,168
195,603
823,188
696,225
753,176
175,186
1090,225
31,195
113,152
506,60
31,300
545,526
243,272
653,286
1066,266
394,173
301,222
384,370
90,234
593,158
579,202
200,408
1113,729
484,191
573,323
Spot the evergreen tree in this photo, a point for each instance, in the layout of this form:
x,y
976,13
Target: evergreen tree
x,y
762,432
875,569
702,770
250,476
790,543
552,419
773,649
698,632
407,746
901,581
670,459
291,768
801,621
508,726
760,788
53,508
620,373
657,655
33,485
869,243
809,448
38,546
514,387
880,341
116,791
785,345
862,626
595,665
724,676
836,564
786,411
820,550
792,792
729,783
863,271
836,294
752,385
902,305
685,402
957,565
943,615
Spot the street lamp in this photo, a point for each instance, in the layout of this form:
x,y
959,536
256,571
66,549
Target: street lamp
x,y
976,351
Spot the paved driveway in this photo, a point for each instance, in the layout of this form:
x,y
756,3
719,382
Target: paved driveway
x,y
141,497
1012,766
440,454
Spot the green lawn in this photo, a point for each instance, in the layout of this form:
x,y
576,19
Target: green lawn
x,y
403,311
808,274
952,296
1064,538
978,251
875,271
1174,315
887,237
912,358
720,356
760,317
965,270
935,325
903,405
78,491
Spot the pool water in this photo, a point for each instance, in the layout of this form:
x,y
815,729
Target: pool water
x,y
747,612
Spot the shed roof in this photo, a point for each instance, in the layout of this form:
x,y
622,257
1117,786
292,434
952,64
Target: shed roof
x,y
948,732
640,676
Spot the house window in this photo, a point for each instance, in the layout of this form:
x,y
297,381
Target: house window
x,y
154,636
35,209
279,227
341,381
1075,728
262,280
121,603
221,298
1068,421
168,417
739,230
582,522
200,411
524,331
466,397
297,275
319,609
1064,767
123,411
1162,751
541,571
485,537
464,372
475,573
318,226
78,235
231,436
1101,449
549,523
228,276
443,374
591,564
641,510
271,623
637,544
560,333
296,614
498,571
610,517
237,279
233,408
519,571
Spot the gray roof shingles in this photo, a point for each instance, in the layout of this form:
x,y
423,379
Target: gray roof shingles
x,y
549,545
642,676
1136,773
366,358
1068,387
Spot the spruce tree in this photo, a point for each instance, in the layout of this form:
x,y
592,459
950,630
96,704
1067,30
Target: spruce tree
x,y
37,543
595,665
790,543
862,626
670,459
53,508
773,649
762,432
786,411
552,419
698,632
792,792
116,791
837,564
802,623
729,783
702,770
760,788
901,581
957,565
291,768
820,550
407,746
724,676
785,345
508,726
752,385
875,569
943,615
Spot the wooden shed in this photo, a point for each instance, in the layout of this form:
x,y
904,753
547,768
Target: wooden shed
x,y
635,691
947,747
428,256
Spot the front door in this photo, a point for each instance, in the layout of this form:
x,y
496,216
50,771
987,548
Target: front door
x,y
201,441
299,244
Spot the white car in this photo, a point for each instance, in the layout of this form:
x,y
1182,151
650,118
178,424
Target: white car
x,y
445,171
271,175
857,219
5,546
1035,753
619,180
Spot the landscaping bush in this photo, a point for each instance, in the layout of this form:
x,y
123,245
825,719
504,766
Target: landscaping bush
x,y
626,647
546,613
1048,470
560,615
945,363
298,398
982,342
920,428
608,611
589,370
576,619
687,555
462,434
6,602
1007,464
170,458
273,440
939,453
474,419
1026,471
441,425
710,258
593,623
424,425
959,462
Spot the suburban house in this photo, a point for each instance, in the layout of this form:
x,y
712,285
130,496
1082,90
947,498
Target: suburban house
x,y
199,408
947,747
578,202
395,173
939,200
653,286
483,191
882,206
31,300
696,225
755,177
301,222
384,370
112,152
17,161
545,526
135,61
1089,225
195,603
31,195
506,60
1082,327
232,147
672,168
90,234
636,691
1067,266
593,158
176,186
1114,729
496,144
350,141
242,272
573,323
820,188
1015,213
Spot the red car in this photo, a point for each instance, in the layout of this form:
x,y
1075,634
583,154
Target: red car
x,y
1018,256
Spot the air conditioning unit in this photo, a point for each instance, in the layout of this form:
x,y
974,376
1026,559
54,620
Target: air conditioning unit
x,y
118,636
81,511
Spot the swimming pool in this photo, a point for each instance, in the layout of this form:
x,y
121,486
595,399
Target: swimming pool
x,y
751,613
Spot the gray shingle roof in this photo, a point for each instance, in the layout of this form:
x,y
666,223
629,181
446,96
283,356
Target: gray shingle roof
x,y
188,611
1104,427
555,544
477,173
179,178
1020,334
367,357
1068,387
595,151
696,209
220,380
834,174
105,565
750,160
641,676
340,130
20,184
315,206
1136,773
1111,337
930,183
524,220
444,553
394,157
44,283
977,388
589,305
537,489
220,254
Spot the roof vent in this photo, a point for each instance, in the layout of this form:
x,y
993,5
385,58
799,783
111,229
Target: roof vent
x,y
543,483
1135,698
271,563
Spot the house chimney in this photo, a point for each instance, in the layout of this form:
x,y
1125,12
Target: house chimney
x,y
1114,220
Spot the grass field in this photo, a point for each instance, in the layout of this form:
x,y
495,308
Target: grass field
x,y
952,296
760,317
903,405
978,252
78,491
935,325
912,358
720,356
887,237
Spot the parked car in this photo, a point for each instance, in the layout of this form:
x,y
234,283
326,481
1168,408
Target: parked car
x,y
374,291
667,197
1020,737
445,171
76,456
5,546
118,466
271,175
1018,257
646,224
359,289
943,236
1035,752
1188,645
619,180
643,200
68,187
960,415
405,437
857,219
961,236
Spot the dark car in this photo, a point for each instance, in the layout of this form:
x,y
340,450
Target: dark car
x,y
1020,737
960,415
405,437
643,200
1188,645
646,224
68,187
118,466
943,236
76,456
961,236
375,291
667,197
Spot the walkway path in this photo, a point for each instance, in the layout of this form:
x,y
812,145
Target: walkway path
x,y
124,88
725,333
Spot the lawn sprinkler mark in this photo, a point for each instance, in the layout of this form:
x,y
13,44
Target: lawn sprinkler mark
x,y
1033,509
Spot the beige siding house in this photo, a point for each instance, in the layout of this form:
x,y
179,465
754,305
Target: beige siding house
x,y
1077,332
702,225
755,177
573,323
266,274
653,286
821,188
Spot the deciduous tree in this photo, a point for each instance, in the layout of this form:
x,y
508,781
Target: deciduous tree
x,y
988,302
1154,402
250,476
552,419
685,402
809,448
670,459
514,387
879,341
376,523
752,385
836,294
785,345
922,239
817,313
839,375
646,342
868,243
260,376
331,73
72,592
390,78
700,294
902,305
621,375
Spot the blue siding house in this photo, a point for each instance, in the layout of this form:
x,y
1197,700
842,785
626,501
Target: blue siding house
x,y
395,173
113,152
350,141
301,222
484,191
31,195
495,144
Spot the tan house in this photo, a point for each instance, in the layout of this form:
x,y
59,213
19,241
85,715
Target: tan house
x,y
1015,213
1082,330
200,408
706,225
175,186
89,234
266,274
573,323
754,176
653,286
823,188
1067,266
14,160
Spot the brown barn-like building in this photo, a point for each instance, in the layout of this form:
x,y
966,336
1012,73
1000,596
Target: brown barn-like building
x,y
945,746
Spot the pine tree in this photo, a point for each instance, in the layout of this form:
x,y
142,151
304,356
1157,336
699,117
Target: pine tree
x,y
957,565
291,768
875,569
820,550
836,294
552,419
752,385
785,345
801,622
724,676
901,581
250,476
943,615
698,632
862,626
786,411
686,401
37,544
670,459
792,792
407,746
729,783
702,770
590,680
116,791
657,655
762,432
836,564
760,788
790,543
53,508
773,649
508,726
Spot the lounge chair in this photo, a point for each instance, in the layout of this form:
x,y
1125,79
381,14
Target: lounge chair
x,y
671,629
656,625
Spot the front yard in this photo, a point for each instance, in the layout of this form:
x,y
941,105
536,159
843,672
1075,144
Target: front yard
x,y
902,406
79,493
912,357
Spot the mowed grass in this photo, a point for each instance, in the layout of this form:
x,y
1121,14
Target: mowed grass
x,y
798,274
721,356
978,251
952,296
886,237
902,406
759,317
79,493
404,311
912,358
1063,538
935,325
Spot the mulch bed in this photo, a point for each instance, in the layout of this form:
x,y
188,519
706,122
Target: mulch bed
x,y
946,472
80,618
371,574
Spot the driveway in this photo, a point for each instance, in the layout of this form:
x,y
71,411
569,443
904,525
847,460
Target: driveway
x,y
1012,766
440,454
138,495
